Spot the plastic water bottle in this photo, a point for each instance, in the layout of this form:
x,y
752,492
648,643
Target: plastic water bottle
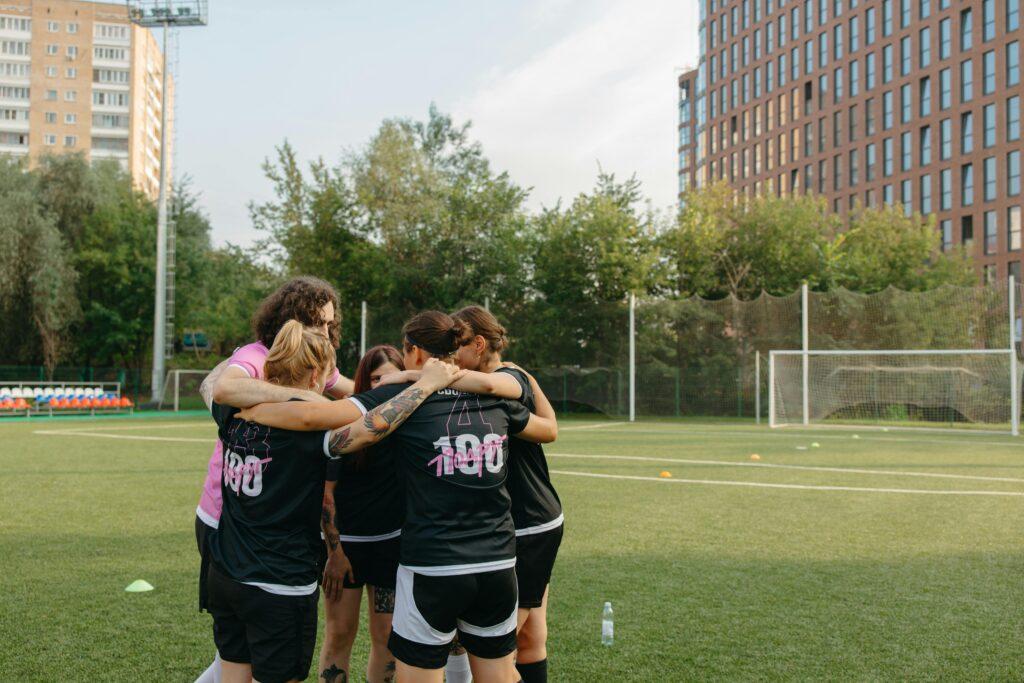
x,y
607,625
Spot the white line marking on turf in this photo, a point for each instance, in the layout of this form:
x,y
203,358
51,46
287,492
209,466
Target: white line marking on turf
x,y
128,437
175,425
599,425
625,427
814,468
802,487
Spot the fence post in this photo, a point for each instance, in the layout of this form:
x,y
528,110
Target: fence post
x,y
757,387
805,347
1014,387
632,357
362,329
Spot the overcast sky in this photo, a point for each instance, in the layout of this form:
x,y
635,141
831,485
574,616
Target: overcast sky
x,y
553,88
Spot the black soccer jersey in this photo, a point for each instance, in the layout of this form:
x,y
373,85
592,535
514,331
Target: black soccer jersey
x,y
368,499
273,484
535,504
452,457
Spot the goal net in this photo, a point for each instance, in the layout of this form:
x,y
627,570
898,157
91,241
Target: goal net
x,y
967,389
181,390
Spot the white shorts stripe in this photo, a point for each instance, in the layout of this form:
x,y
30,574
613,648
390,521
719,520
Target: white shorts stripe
x,y
407,621
541,528
370,539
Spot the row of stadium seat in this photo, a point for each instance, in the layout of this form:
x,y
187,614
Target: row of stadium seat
x,y
49,392
67,403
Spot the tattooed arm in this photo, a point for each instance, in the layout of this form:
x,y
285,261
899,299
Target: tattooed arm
x,y
338,566
386,417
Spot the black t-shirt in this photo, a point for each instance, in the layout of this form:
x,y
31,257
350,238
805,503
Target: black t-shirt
x,y
368,498
273,486
452,457
535,504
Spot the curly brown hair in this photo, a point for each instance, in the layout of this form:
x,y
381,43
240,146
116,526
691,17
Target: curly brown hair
x,y
301,298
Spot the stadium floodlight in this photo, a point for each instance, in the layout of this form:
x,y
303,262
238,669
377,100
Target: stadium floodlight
x,y
905,388
166,14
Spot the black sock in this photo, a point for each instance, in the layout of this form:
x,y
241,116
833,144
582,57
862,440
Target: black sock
x,y
536,672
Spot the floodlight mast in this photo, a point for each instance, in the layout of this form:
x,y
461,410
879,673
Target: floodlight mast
x,y
165,14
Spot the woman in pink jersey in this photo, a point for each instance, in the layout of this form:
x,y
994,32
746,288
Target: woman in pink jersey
x,y
240,382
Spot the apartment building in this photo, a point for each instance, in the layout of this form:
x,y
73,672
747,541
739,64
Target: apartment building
x,y
908,102
80,77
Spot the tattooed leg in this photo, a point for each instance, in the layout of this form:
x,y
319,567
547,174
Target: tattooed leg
x,y
380,666
333,674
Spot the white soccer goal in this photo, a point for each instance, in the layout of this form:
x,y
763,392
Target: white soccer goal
x,y
181,390
958,388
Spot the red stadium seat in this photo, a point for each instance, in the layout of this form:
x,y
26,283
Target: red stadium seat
x,y
55,403
104,402
75,403
64,403
126,402
6,404
20,404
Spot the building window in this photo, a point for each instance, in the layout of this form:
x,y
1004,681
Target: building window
x,y
869,71
988,20
70,140
989,274
906,197
871,154
72,52
906,104
1012,15
51,117
945,139
50,140
966,30
966,133
966,81
967,185
990,179
946,189
854,167
886,17
1013,63
869,116
869,26
51,95
52,49
907,151
904,13
887,157
991,232
947,234
945,89
926,145
1013,173
945,38
887,121
924,47
854,78
1014,118
51,71
988,82
72,28
53,26
967,230
989,119
905,56
887,64
70,95
926,194
887,197
70,119
1013,230
925,89
71,72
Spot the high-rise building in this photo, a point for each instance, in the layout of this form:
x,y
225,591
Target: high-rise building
x,y
907,102
78,76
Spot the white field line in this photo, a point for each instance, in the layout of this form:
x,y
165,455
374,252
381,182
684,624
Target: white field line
x,y
813,468
175,425
128,437
801,487
599,425
806,434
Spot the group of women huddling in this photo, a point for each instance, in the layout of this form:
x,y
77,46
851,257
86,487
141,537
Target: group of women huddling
x,y
424,482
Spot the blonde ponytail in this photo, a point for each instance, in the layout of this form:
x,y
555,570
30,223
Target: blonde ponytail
x,y
298,351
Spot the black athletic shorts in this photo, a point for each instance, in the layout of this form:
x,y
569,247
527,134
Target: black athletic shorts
x,y
373,562
535,558
276,634
203,531
430,610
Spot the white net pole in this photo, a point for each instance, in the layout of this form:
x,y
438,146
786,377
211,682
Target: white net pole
x,y
362,330
757,387
805,346
632,357
1014,385
177,391
771,389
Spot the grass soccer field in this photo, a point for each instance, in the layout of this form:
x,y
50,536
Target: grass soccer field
x,y
873,556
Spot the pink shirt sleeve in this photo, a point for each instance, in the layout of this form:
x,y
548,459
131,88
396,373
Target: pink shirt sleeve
x,y
250,358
